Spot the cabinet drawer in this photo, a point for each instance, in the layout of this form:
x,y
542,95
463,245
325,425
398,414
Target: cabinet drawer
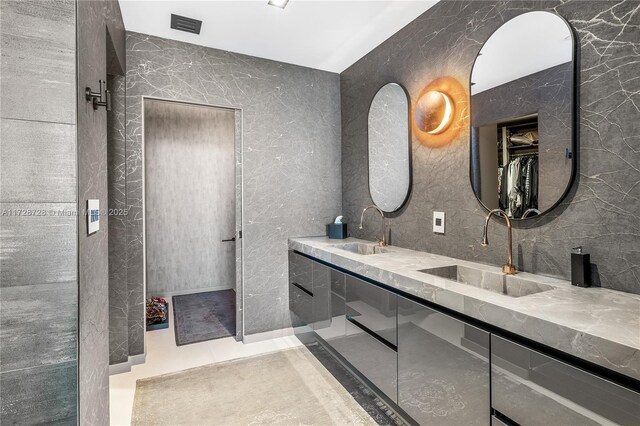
x,y
372,358
531,388
300,308
301,271
497,422
373,307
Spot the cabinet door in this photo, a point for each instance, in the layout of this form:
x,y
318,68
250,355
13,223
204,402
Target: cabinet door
x,y
373,307
300,293
335,327
369,343
301,271
531,388
321,296
443,368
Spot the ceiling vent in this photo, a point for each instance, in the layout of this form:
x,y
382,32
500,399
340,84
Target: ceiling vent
x,y
183,23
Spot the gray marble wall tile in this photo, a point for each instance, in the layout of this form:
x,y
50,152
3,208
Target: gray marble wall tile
x,y
38,60
37,161
100,27
601,211
43,310
40,395
38,244
290,154
118,291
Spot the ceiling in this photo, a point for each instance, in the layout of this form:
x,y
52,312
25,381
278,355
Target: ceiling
x,y
524,45
325,34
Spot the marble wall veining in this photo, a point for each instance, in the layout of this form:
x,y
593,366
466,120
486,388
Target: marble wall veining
x,y
601,212
38,223
100,43
290,155
117,196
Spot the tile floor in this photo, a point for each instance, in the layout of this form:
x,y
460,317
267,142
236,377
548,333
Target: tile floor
x,y
163,356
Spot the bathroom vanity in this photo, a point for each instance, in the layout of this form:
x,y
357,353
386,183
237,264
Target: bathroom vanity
x,y
446,341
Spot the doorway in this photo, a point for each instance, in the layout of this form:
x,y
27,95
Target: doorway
x,y
191,225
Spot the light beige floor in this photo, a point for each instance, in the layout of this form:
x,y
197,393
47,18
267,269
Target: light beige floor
x,y
163,356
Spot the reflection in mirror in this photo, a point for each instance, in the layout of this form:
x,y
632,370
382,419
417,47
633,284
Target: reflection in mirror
x,y
522,116
389,148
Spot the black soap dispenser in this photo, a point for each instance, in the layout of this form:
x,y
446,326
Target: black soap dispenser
x,y
580,268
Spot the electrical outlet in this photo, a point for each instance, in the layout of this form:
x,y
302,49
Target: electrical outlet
x,y
438,222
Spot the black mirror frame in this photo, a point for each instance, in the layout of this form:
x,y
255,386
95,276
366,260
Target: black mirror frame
x,y
574,123
409,148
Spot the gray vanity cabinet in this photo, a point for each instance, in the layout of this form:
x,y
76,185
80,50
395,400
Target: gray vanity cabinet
x,y
301,294
443,367
531,388
370,341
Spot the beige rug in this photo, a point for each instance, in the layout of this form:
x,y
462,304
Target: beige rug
x,y
289,387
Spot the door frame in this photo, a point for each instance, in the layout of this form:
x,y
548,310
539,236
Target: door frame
x,y
238,149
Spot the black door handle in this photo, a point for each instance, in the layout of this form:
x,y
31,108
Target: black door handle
x,y
230,239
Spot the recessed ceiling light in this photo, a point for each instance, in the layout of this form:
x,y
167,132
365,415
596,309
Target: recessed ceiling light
x,y
278,3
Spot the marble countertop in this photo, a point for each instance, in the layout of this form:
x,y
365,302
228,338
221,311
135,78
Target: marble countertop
x,y
596,324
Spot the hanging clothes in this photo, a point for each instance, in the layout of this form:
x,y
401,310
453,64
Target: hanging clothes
x,y
518,185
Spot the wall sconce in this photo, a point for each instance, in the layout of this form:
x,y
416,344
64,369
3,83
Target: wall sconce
x,y
440,112
100,98
434,112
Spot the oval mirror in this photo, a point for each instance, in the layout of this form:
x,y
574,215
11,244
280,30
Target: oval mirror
x,y
522,115
389,148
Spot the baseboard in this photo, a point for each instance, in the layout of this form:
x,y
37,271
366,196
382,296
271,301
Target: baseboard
x,y
168,294
267,335
125,367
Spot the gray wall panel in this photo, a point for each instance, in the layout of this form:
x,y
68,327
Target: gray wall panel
x,y
116,175
602,210
42,310
38,60
40,395
38,222
37,161
37,249
100,27
291,154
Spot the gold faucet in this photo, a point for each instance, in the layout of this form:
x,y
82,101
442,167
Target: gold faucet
x,y
528,212
508,269
382,242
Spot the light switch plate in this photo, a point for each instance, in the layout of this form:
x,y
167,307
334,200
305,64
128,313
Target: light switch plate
x,y
438,222
93,216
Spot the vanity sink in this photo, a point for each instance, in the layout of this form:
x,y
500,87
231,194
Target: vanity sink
x,y
361,248
508,285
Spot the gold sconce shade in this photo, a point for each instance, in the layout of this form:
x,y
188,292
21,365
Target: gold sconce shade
x,y
440,112
434,112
